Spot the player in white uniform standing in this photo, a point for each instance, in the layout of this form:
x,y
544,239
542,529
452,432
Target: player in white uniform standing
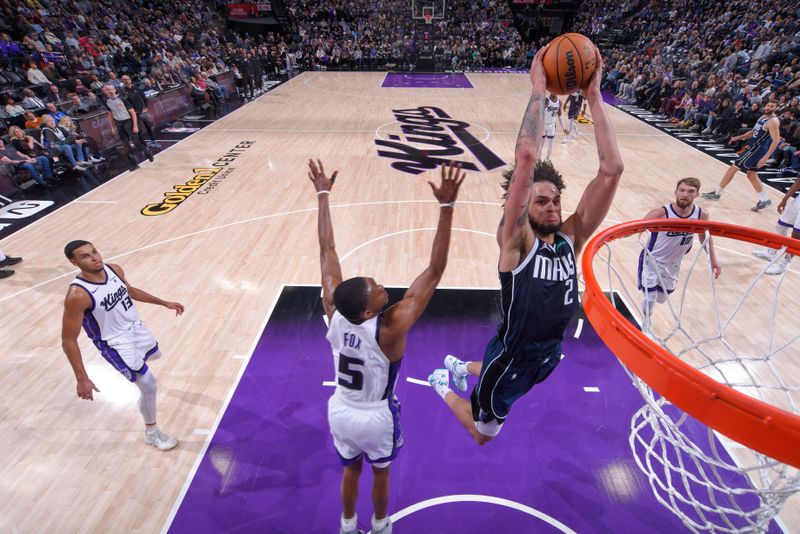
x,y
552,110
659,270
368,345
789,208
101,300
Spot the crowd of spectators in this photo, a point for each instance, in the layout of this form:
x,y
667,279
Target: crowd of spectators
x,y
708,66
363,35
59,57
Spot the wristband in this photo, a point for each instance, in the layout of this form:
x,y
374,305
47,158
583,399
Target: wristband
x,y
323,192
447,205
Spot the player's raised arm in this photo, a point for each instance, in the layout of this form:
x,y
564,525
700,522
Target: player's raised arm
x,y
529,141
598,195
399,319
328,259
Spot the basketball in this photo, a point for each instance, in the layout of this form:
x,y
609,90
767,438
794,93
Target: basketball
x,y
569,63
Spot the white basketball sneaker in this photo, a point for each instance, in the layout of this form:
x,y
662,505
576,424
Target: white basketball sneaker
x,y
439,380
764,253
159,440
459,379
778,267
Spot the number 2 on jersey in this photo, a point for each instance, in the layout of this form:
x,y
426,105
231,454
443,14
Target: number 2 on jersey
x,y
356,377
568,293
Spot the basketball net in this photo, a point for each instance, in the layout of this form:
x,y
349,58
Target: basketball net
x,y
428,16
712,483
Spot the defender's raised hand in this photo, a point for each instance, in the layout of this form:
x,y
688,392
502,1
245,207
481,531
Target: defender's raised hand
x,y
318,177
452,177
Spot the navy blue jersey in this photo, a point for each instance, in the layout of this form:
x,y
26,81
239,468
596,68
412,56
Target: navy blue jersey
x,y
760,132
539,298
574,102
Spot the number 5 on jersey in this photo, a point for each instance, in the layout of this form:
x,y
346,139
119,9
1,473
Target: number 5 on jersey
x,y
348,376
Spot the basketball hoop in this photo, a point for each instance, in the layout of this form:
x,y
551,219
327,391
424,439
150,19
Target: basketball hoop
x,y
692,367
428,17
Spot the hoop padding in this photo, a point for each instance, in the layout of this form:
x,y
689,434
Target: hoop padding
x,y
751,422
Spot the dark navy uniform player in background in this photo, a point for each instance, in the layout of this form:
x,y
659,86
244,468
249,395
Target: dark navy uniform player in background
x,y
763,139
537,269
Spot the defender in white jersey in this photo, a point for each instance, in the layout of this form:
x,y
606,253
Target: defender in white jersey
x,y
368,345
788,222
660,265
552,111
101,301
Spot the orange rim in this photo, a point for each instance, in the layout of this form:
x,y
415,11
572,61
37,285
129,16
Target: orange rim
x,y
751,422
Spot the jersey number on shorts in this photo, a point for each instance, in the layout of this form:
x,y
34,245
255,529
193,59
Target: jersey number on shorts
x,y
356,377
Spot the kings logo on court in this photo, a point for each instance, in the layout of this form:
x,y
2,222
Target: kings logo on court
x,y
430,138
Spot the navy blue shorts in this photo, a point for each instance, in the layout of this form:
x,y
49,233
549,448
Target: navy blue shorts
x,y
501,382
748,161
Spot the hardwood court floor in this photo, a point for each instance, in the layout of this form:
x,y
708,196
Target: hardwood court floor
x,y
226,250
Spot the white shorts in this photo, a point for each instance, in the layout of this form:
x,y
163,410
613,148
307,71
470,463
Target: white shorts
x,y
659,279
549,130
791,215
129,351
371,429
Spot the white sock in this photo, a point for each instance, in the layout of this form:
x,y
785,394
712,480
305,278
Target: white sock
x,y
349,524
718,191
442,390
379,524
762,196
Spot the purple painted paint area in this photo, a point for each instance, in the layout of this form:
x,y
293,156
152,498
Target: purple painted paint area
x,y
433,80
271,465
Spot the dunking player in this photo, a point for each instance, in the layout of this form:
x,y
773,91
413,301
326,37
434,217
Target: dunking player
x,y
552,110
368,345
789,208
659,268
537,268
575,106
101,299
764,139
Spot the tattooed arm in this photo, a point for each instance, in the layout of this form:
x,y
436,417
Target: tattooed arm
x,y
515,233
599,193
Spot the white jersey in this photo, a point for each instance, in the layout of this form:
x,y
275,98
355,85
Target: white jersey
x,y
112,312
550,112
670,247
363,372
659,270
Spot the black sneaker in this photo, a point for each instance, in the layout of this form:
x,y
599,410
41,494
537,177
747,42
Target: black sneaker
x,y
761,204
6,273
711,195
10,261
149,155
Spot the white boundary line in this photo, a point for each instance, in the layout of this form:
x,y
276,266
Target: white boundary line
x,y
221,413
397,516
